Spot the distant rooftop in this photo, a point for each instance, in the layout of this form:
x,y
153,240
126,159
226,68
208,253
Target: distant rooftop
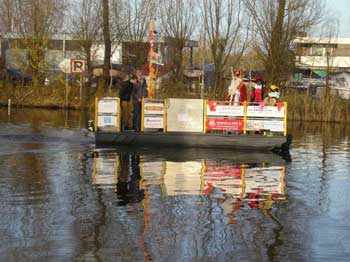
x,y
323,40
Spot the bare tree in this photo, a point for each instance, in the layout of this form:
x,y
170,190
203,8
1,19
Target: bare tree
x,y
6,16
178,20
6,21
118,22
329,35
276,24
131,24
86,27
223,22
35,21
107,42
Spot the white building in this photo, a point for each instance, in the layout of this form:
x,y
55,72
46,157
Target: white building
x,y
315,53
323,57
61,46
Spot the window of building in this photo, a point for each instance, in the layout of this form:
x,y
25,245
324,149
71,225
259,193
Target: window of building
x,y
317,51
306,45
73,45
342,50
17,43
55,44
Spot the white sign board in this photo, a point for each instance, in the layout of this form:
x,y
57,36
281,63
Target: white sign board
x,y
107,121
214,109
152,108
266,111
65,66
108,106
185,115
153,122
272,125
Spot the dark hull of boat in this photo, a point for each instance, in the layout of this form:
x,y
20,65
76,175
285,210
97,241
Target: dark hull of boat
x,y
170,139
176,154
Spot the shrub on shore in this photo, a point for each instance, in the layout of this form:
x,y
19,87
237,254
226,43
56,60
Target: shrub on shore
x,y
325,108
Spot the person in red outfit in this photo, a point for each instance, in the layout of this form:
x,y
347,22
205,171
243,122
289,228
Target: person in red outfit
x,y
258,93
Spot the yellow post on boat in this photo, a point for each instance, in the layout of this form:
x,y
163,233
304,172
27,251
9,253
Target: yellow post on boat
x,y
118,116
245,104
96,113
285,119
165,115
142,114
205,116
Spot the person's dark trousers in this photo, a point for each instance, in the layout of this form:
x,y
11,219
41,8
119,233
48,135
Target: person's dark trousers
x,y
136,119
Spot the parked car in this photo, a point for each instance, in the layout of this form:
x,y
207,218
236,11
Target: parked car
x,y
16,76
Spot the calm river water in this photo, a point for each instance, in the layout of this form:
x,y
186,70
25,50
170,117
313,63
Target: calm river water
x,y
62,199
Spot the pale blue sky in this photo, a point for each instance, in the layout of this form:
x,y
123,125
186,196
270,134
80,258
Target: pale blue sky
x,y
341,8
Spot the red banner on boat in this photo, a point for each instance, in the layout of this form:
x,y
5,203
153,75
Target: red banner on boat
x,y
224,124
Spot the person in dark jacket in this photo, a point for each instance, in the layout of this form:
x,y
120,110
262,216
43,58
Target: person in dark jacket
x,y
126,105
139,91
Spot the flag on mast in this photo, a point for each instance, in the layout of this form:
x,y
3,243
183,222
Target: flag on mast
x,y
152,57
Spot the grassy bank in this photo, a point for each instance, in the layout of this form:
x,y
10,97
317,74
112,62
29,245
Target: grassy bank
x,y
300,106
42,96
324,108
45,97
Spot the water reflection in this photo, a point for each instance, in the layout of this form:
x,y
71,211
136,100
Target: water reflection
x,y
319,134
39,118
120,173
257,184
187,206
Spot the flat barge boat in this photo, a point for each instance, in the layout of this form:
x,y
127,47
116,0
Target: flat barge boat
x,y
195,123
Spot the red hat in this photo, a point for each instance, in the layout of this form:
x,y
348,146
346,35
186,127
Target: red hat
x,y
258,78
239,73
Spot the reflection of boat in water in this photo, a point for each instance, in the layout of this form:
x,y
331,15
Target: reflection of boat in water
x,y
195,123
105,171
186,198
119,173
231,177
189,154
229,180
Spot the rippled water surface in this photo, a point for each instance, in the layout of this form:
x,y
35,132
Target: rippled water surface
x,y
62,199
